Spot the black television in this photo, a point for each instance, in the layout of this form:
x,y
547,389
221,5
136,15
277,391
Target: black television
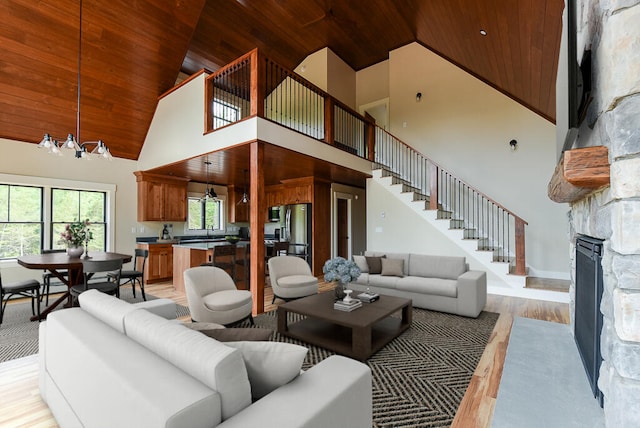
x,y
579,85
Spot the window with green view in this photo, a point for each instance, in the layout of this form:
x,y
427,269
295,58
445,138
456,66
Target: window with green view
x,y
69,206
204,214
21,220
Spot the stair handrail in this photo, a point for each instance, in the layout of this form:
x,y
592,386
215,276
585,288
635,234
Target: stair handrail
x,y
430,173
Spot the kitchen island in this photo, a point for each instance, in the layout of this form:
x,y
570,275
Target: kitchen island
x,y
190,254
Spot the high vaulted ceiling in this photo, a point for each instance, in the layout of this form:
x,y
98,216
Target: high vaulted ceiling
x,y
133,51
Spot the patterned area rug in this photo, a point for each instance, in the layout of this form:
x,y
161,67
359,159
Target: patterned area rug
x,y
419,378
19,336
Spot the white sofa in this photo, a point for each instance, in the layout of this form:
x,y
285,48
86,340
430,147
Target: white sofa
x,y
113,364
437,283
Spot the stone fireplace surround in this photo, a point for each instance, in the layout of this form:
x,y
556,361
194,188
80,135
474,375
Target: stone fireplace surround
x,y
610,28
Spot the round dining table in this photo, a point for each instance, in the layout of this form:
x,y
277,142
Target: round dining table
x,y
57,263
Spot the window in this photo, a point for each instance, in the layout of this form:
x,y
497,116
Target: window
x,y
68,206
204,215
21,220
224,114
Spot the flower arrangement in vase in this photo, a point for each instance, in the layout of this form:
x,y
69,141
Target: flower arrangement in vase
x,y
74,236
342,271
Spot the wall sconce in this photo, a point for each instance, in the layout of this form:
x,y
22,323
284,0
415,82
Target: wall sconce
x,y
513,144
418,97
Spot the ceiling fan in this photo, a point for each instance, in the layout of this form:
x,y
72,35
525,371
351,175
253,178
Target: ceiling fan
x,y
330,15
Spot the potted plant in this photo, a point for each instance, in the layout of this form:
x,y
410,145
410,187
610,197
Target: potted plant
x,y
342,271
74,236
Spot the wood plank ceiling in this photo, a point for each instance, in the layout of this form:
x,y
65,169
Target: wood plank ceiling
x,y
133,51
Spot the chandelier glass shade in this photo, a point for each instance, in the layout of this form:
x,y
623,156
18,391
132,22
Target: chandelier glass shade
x,y
81,151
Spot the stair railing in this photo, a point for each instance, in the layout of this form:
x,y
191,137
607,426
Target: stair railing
x,y
496,228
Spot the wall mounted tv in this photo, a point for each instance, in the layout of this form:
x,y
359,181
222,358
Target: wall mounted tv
x,y
579,73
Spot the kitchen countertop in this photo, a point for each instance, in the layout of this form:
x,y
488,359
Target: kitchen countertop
x,y
199,245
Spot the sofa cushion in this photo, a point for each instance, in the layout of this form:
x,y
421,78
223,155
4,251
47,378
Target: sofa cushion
x,y
106,308
375,264
109,380
403,256
383,281
435,286
361,262
227,300
270,364
218,366
444,267
392,267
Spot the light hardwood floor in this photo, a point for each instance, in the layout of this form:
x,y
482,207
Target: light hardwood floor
x,y
21,405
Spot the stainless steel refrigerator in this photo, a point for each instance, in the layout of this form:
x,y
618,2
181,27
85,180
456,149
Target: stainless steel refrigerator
x,y
295,227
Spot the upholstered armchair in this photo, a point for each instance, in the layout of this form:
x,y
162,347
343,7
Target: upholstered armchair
x,y
212,296
291,278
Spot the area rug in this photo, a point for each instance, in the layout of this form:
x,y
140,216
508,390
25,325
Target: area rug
x,y
19,336
419,378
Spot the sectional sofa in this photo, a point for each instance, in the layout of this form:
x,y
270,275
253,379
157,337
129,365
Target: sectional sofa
x,y
112,364
438,283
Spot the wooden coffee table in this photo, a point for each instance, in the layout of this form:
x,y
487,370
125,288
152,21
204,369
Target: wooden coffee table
x,y
357,334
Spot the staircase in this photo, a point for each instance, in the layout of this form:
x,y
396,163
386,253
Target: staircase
x,y
487,232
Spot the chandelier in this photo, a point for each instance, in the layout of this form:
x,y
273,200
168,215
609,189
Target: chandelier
x,y
81,150
209,193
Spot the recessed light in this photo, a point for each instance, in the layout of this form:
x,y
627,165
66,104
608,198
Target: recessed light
x,y
484,33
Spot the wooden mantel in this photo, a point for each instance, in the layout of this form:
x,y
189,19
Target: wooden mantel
x,y
579,172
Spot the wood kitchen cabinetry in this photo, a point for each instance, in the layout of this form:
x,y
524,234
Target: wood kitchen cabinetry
x,y
161,198
237,213
295,191
159,266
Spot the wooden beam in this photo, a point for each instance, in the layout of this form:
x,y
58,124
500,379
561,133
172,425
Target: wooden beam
x,y
579,172
257,212
587,167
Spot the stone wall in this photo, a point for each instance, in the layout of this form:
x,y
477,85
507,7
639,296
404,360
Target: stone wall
x,y
611,28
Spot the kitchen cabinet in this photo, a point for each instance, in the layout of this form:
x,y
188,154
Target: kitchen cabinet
x,y
295,191
159,266
161,198
237,213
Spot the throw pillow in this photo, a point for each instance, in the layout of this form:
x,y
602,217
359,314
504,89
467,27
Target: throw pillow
x,y
270,364
361,262
375,264
392,267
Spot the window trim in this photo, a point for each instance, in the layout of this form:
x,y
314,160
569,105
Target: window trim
x,y
48,183
223,215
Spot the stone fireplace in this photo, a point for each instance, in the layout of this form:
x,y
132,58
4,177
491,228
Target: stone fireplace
x,y
610,29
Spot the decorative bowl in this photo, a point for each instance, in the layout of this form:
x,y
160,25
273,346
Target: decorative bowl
x,y
232,239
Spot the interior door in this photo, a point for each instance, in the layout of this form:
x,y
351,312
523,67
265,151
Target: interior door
x,y
343,228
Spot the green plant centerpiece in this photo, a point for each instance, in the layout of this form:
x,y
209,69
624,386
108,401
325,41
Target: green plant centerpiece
x,y
342,271
74,236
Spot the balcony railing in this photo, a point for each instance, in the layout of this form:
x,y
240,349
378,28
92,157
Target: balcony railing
x,y
253,85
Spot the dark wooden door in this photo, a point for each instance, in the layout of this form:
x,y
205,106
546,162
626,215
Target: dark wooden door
x,y
343,228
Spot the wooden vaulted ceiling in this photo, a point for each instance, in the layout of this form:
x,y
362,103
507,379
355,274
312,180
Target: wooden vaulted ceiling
x,y
133,51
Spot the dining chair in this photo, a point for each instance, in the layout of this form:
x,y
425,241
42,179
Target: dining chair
x,y
137,274
278,248
27,288
46,276
224,257
108,284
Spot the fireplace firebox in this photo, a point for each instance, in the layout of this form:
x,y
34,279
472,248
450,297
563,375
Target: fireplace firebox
x,y
588,318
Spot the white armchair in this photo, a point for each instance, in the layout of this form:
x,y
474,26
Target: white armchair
x,y
291,278
213,297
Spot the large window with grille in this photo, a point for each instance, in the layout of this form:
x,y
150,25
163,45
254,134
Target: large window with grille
x,y
68,206
34,213
224,114
21,220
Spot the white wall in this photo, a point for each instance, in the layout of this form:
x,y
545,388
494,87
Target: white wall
x,y
22,159
465,126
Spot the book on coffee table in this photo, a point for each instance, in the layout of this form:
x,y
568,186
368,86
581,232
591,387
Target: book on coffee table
x,y
368,297
348,306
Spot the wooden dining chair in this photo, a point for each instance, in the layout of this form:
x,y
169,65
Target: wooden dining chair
x,y
244,263
109,284
46,276
28,288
